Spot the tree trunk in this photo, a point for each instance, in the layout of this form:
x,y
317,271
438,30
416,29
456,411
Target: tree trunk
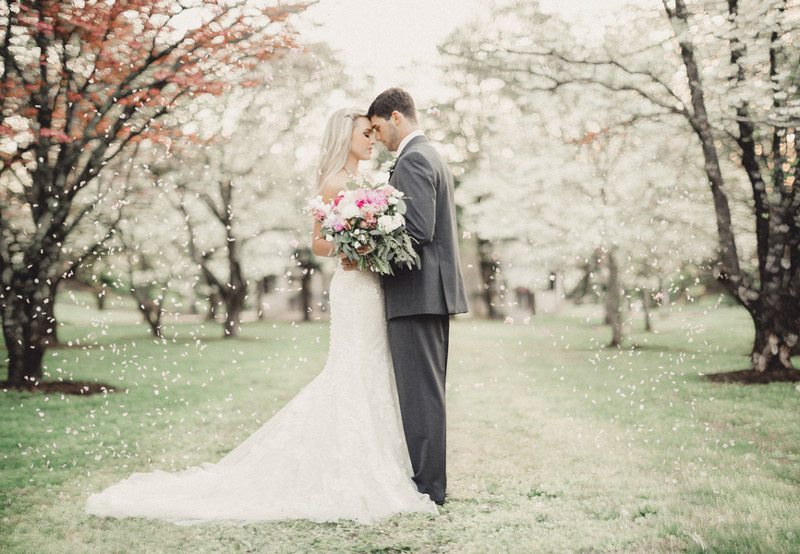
x,y
773,345
28,287
488,278
776,317
233,313
648,323
232,292
151,310
305,295
261,292
488,289
234,297
155,326
152,314
747,145
582,288
214,300
25,332
48,308
728,271
614,301
100,295
263,287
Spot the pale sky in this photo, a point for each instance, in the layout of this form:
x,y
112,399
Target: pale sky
x,y
395,40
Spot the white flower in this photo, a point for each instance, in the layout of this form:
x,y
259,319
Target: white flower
x,y
388,223
316,203
348,210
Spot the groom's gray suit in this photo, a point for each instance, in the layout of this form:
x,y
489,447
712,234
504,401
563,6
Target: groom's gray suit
x,y
418,305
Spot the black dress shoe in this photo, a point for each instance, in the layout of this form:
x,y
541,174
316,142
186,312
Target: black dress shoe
x,y
439,502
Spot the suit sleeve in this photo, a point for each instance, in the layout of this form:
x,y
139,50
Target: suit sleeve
x,y
414,176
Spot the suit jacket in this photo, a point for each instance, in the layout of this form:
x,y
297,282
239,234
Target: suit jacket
x,y
437,287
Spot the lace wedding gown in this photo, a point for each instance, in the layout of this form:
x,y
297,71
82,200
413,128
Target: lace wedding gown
x,y
335,451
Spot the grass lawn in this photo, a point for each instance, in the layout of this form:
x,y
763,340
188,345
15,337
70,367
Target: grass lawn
x,y
556,444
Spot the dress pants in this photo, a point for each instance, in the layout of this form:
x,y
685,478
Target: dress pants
x,y
418,345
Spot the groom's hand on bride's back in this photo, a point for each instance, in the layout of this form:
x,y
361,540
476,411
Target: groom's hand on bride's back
x,y
350,265
347,264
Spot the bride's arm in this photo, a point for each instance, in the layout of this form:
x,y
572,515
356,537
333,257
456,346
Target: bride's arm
x,y
330,188
320,246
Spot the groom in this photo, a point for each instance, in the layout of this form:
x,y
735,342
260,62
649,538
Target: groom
x,y
419,301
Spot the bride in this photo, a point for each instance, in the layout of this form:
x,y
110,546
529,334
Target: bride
x,y
337,449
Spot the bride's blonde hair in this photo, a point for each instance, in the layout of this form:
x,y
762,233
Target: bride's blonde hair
x,y
336,142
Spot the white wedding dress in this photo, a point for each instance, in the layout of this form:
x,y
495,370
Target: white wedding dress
x,y
335,451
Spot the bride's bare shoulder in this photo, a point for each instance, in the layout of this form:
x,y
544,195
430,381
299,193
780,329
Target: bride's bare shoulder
x,y
333,185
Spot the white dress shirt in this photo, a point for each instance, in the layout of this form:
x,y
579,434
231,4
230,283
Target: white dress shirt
x,y
407,139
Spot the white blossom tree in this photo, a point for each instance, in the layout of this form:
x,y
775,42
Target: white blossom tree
x,y
727,74
242,182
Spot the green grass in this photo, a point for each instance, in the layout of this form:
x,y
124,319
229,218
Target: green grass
x,y
556,444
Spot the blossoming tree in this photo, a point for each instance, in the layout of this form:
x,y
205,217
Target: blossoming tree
x,y
727,73
80,82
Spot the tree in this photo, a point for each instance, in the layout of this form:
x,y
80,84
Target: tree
x,y
243,178
306,265
464,126
80,82
151,259
232,290
730,76
571,183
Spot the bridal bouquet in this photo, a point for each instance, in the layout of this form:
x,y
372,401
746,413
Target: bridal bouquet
x,y
367,218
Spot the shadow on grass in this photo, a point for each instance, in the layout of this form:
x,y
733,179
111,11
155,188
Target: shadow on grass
x,y
605,347
660,348
753,377
79,388
131,338
214,339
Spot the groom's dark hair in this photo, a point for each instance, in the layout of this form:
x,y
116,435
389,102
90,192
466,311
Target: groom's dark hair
x,y
393,99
